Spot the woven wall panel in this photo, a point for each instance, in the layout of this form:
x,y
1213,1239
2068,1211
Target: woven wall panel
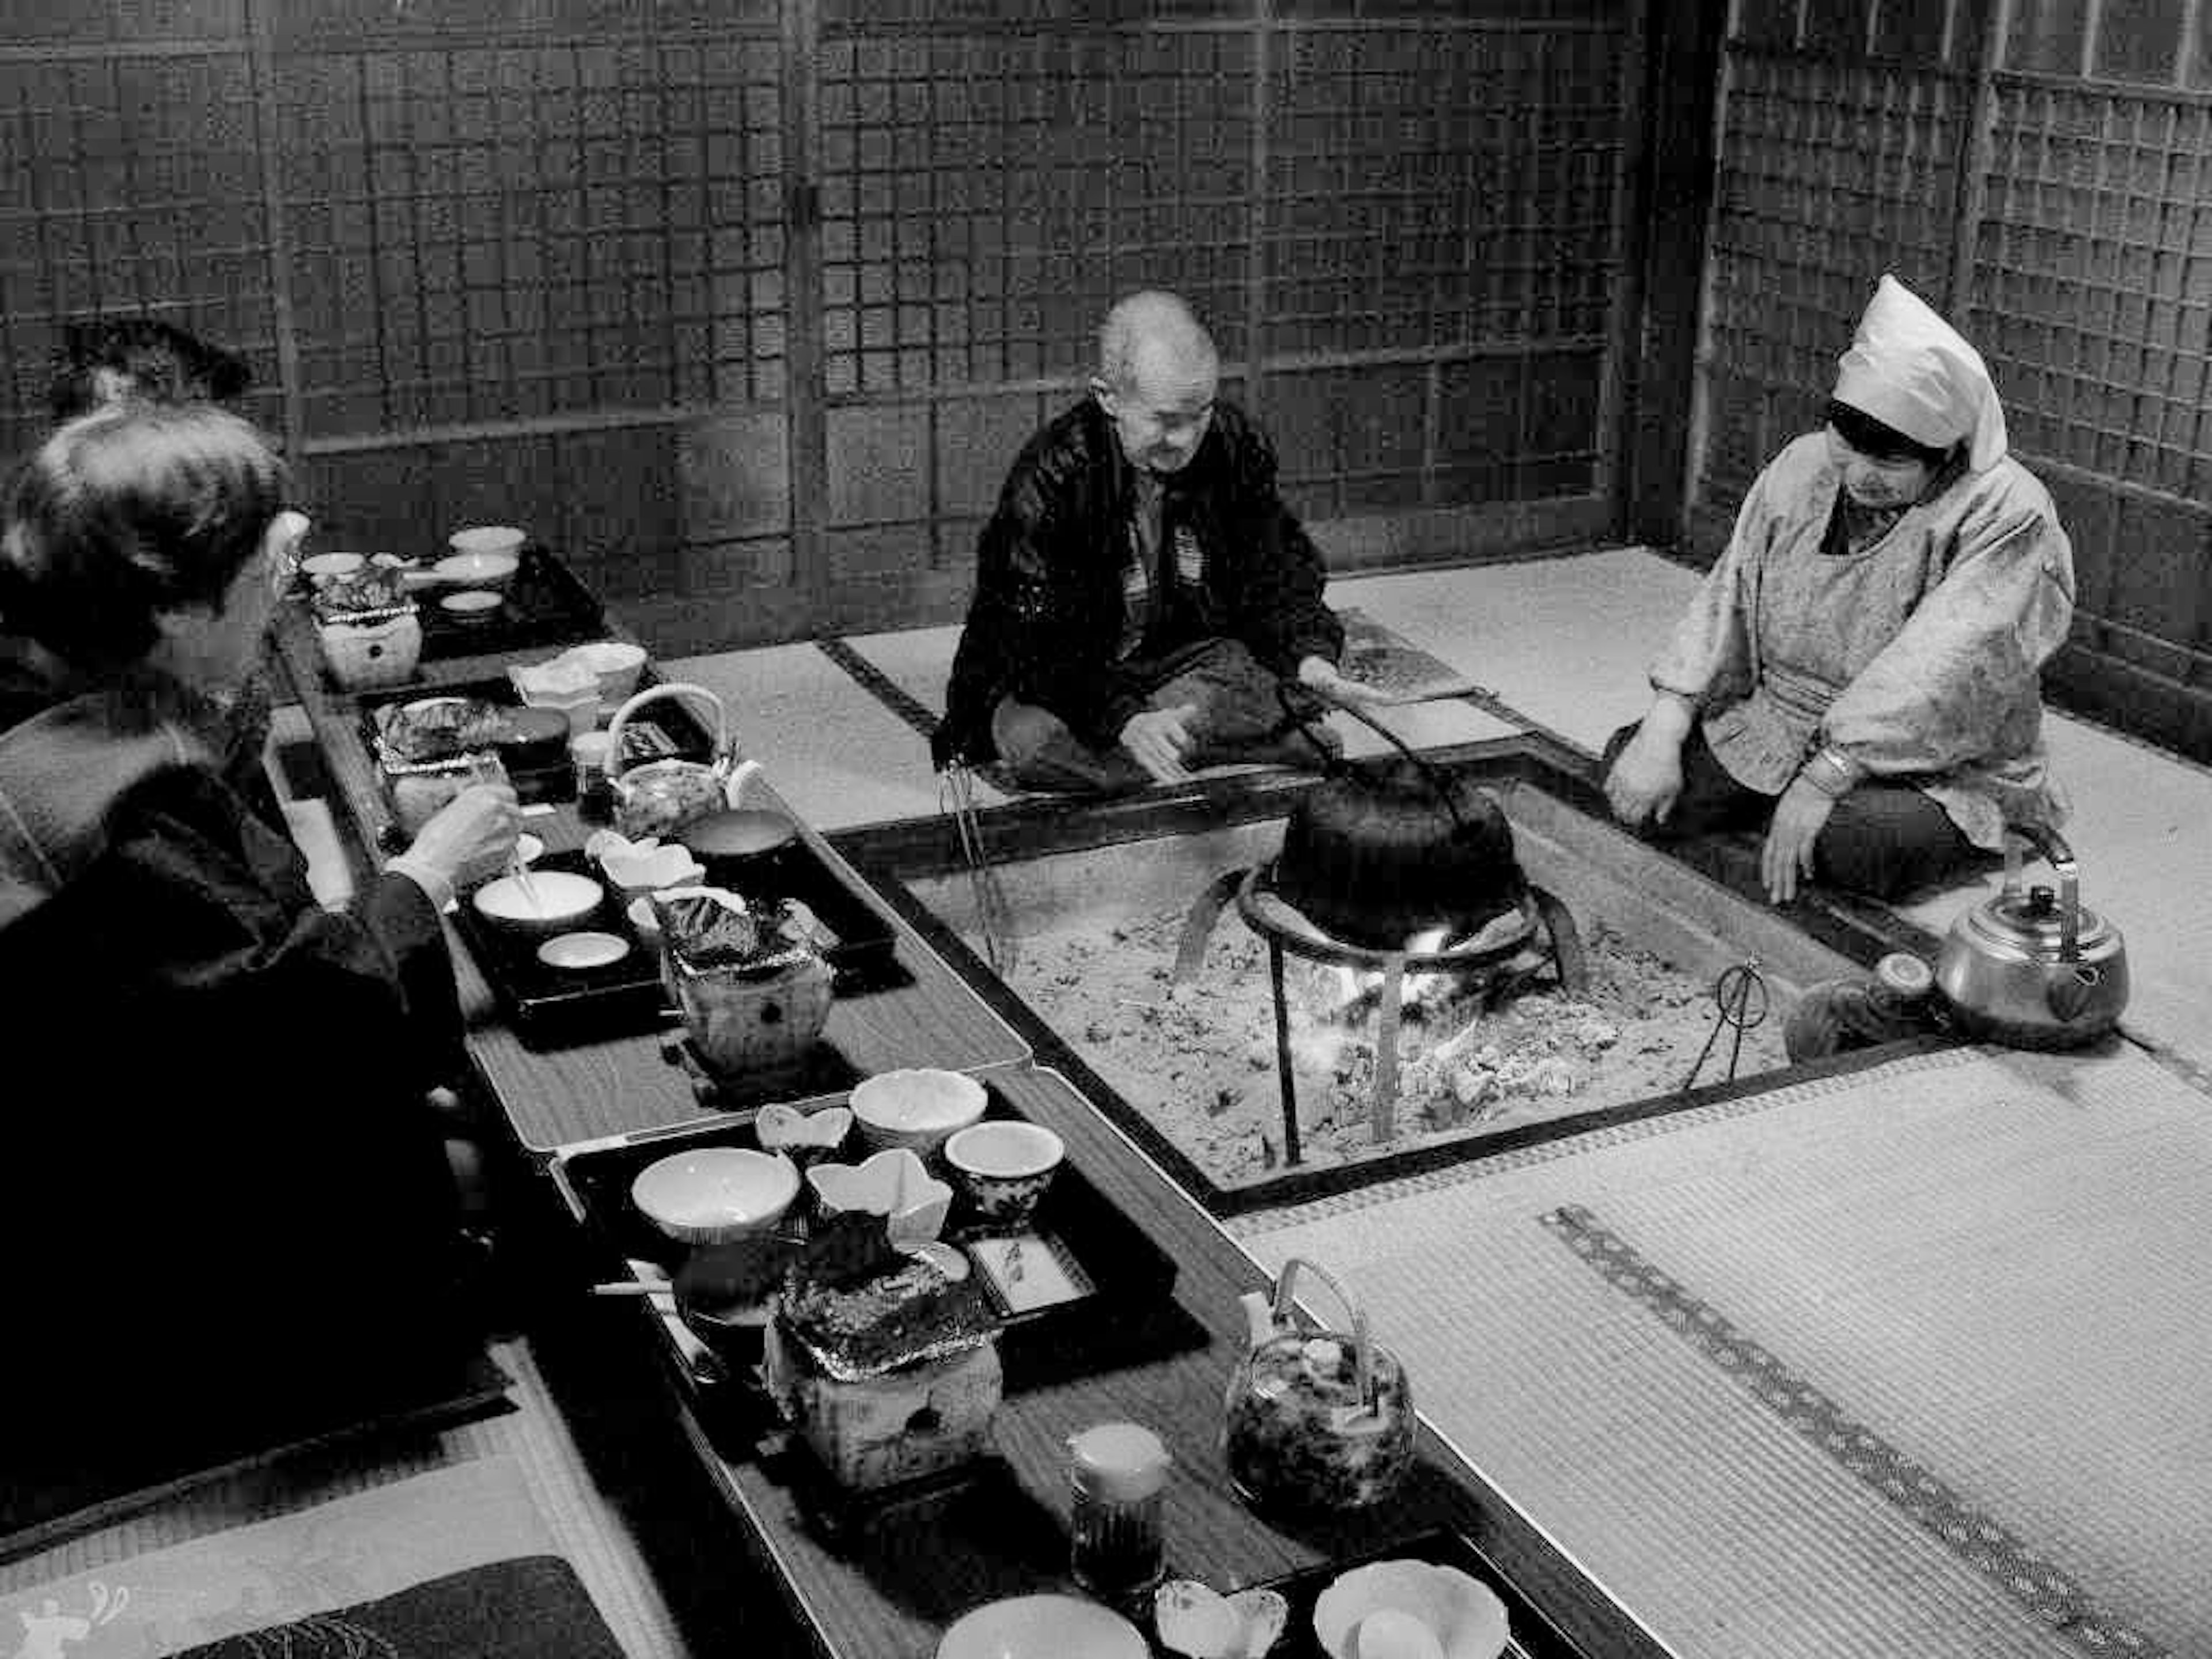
x,y
986,196
1831,173
490,234
130,184
1442,187
2093,296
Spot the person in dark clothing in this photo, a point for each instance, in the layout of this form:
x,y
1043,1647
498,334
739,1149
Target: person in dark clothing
x,y
1142,592
105,360
111,359
230,1205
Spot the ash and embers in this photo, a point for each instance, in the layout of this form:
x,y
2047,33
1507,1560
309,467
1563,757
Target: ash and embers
x,y
1197,1059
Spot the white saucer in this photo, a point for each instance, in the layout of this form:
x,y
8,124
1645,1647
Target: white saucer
x,y
580,950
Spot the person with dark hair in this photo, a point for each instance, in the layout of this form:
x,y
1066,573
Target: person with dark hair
x,y
107,359
1141,591
240,1215
1859,672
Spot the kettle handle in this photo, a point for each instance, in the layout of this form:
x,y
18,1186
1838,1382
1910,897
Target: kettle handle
x,y
1363,1370
675,691
1290,693
2051,847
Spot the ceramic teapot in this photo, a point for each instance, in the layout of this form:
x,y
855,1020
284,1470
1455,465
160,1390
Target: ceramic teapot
x,y
659,797
2034,969
1315,1420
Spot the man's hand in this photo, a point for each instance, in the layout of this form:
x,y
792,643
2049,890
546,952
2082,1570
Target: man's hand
x,y
1646,778
1327,680
1787,857
1158,739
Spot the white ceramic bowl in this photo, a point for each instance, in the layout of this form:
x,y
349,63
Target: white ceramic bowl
x,y
894,1185
804,1135
1042,1627
478,569
471,605
915,1106
616,664
712,1194
326,566
1003,1166
489,539
561,901
1462,1614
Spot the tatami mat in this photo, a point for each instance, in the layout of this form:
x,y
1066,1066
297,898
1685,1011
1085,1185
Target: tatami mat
x,y
1986,1268
585,1521
832,749
1565,642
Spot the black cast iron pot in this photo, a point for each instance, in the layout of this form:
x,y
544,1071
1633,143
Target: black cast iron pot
x,y
1379,850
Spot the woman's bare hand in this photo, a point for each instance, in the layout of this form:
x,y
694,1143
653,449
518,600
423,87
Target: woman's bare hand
x,y
1787,857
1646,778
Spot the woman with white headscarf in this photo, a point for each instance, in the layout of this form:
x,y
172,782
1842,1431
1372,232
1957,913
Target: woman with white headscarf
x,y
1859,669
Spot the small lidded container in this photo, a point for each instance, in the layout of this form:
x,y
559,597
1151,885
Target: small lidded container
x,y
1119,1474
595,797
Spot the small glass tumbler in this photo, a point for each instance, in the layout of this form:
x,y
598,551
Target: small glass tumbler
x,y
1119,1473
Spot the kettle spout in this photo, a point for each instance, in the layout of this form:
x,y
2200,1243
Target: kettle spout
x,y
2070,995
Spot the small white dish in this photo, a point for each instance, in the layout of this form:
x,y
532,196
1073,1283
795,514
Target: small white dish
x,y
712,1194
489,539
576,951
470,605
1042,1627
1199,1622
553,901
779,1127
916,1106
645,865
1460,1615
894,1185
478,569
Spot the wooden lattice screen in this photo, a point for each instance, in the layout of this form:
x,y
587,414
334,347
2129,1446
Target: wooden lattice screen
x,y
746,304
2046,176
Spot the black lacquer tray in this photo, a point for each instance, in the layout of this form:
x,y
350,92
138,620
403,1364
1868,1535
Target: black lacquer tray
x,y
667,729
544,604
550,1006
1116,1282
1532,1635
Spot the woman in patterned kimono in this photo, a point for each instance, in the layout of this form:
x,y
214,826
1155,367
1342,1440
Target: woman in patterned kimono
x,y
1859,671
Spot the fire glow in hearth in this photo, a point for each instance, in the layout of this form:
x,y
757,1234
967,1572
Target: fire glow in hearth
x,y
1152,960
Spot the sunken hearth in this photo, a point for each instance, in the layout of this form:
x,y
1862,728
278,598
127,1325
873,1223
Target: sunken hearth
x,y
1144,960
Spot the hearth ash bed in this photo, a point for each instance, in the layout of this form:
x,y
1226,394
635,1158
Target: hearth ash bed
x,y
1626,1021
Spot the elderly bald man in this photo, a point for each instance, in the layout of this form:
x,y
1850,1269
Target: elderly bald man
x,y
1141,590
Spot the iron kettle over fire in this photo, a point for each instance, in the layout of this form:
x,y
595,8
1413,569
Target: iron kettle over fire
x,y
2033,969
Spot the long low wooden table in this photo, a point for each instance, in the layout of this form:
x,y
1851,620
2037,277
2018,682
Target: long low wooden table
x,y
888,1591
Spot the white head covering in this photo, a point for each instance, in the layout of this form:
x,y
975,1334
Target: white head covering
x,y
1911,370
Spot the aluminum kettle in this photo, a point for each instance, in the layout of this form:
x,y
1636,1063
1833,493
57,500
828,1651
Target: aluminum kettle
x,y
2033,968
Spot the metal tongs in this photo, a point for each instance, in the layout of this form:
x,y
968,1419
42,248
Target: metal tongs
x,y
956,795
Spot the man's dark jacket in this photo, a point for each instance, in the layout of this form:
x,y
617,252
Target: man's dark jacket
x,y
1047,613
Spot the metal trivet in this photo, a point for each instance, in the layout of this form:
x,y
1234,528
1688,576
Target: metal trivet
x,y
1739,1001
1289,933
